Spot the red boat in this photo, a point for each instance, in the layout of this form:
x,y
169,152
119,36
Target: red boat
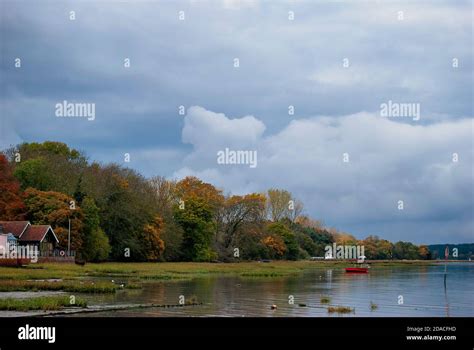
x,y
357,269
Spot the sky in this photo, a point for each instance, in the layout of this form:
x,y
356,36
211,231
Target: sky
x,y
334,64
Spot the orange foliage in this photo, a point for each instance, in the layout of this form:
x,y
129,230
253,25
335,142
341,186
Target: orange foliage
x,y
276,244
424,252
11,204
53,208
152,240
191,187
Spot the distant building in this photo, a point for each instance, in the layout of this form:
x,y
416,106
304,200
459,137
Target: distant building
x,y
22,233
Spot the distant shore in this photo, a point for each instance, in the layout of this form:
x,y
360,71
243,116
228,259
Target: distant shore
x,y
142,271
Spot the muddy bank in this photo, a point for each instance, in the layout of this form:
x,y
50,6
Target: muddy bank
x,y
90,309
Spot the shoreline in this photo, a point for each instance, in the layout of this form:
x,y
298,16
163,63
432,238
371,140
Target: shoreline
x,y
57,272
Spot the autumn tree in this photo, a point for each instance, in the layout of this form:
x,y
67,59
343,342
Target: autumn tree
x,y
276,246
195,218
278,202
165,197
279,229
235,213
376,248
192,187
165,194
281,205
11,203
56,209
122,215
296,208
196,212
308,222
424,252
342,238
152,242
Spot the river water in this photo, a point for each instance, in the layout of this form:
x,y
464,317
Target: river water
x,y
413,291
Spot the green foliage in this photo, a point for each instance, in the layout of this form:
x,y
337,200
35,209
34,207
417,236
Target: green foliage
x,y
96,245
379,249
172,236
91,214
238,218
405,250
313,240
251,246
198,229
50,148
34,173
126,205
281,230
49,166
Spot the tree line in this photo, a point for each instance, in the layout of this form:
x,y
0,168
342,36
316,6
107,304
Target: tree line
x,y
118,214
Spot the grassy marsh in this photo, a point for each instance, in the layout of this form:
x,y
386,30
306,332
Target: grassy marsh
x,y
41,303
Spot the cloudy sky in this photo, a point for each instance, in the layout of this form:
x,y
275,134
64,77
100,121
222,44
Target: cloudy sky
x,y
334,62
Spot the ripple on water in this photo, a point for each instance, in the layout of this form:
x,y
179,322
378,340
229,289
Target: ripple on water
x,y
422,290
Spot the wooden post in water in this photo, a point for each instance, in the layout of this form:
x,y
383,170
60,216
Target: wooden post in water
x,y
446,255
445,276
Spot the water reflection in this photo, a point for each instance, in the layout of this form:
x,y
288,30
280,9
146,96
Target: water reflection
x,y
421,287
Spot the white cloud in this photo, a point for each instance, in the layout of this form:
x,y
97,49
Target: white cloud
x,y
211,132
240,4
389,161
219,129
